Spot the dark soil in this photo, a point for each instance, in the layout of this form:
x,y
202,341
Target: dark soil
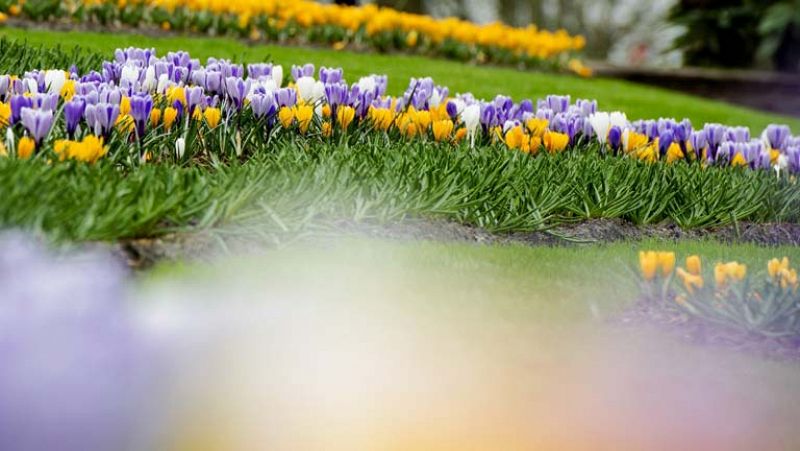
x,y
697,331
143,253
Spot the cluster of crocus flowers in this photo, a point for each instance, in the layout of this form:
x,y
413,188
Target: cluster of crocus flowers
x,y
379,28
727,293
142,103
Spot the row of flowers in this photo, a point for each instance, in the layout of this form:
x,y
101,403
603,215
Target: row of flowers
x,y
161,104
369,26
767,303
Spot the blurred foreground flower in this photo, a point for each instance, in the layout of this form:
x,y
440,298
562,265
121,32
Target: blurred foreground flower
x,y
76,372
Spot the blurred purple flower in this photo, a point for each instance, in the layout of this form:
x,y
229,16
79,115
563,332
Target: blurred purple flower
x,y
37,122
77,375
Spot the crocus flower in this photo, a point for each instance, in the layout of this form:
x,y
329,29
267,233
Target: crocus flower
x,y
236,89
330,75
263,104
737,134
665,140
310,90
73,113
18,102
101,118
194,98
5,84
558,104
299,72
54,80
286,97
698,142
37,122
79,373
336,94
141,105
776,136
44,101
615,138
602,122
472,119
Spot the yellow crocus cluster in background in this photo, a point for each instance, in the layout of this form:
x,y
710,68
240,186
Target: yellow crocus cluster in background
x,y
358,25
653,264
89,149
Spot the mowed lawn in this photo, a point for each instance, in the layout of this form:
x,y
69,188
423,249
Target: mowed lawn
x,y
638,101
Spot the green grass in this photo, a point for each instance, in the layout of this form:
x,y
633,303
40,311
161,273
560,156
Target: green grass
x,y
639,102
290,189
539,284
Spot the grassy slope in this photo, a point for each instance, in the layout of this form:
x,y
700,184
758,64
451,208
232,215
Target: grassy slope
x,y
637,100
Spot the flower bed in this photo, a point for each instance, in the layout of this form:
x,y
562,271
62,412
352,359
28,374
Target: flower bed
x,y
727,304
141,108
300,21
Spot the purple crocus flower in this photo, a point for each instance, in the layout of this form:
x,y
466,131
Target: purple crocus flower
x,y
488,116
737,134
141,105
78,372
586,107
665,140
793,158
299,72
452,110
559,104
286,97
45,101
73,113
382,83
715,133
102,117
18,102
330,75
336,94
236,89
194,97
698,142
545,113
213,82
777,136
180,75
259,70
37,122
615,138
263,104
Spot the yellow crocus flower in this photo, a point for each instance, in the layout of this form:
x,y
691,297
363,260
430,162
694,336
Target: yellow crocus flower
x,y
442,129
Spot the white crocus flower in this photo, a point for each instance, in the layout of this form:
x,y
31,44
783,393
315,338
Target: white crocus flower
x,y
618,119
10,139
129,75
780,165
163,83
436,99
460,105
305,88
180,147
33,86
472,119
150,83
367,84
319,91
277,75
602,122
54,80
